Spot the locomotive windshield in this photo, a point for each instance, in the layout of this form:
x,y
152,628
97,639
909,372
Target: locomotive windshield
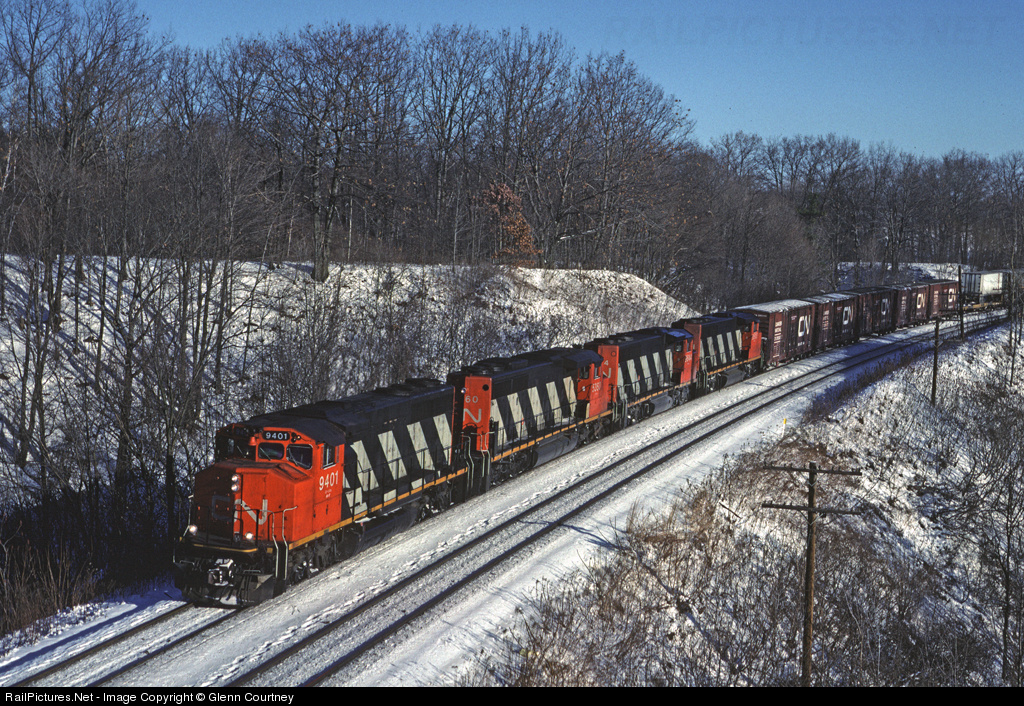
x,y
301,455
271,451
225,447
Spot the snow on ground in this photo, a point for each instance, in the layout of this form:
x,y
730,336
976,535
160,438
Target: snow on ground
x,y
452,640
912,457
862,274
514,310
82,625
535,303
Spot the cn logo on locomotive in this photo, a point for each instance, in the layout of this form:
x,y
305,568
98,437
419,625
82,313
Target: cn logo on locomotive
x,y
219,500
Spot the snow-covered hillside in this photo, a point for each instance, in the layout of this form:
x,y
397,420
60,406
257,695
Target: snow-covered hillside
x,y
108,371
203,344
914,590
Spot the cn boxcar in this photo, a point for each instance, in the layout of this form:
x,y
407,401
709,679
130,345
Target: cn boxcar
x,y
824,330
875,309
942,298
904,298
844,319
786,329
919,302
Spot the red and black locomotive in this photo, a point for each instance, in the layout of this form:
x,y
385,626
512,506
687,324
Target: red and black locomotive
x,y
292,491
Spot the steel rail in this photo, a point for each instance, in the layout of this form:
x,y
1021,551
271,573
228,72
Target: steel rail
x,y
99,647
858,360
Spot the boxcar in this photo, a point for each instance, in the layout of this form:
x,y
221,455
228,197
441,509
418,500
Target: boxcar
x,y
904,298
943,298
919,303
876,310
844,320
822,331
786,329
887,309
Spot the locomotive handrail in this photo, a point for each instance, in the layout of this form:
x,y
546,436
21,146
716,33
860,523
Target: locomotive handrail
x,y
270,531
188,522
277,550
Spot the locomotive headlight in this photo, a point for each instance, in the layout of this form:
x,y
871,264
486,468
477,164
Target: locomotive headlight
x,y
235,478
249,536
234,487
192,529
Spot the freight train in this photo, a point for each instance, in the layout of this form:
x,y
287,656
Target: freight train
x,y
293,491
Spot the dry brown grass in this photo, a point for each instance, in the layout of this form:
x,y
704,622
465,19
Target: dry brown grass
x,y
710,594
35,586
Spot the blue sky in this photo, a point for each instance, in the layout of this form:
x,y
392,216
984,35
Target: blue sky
x,y
927,77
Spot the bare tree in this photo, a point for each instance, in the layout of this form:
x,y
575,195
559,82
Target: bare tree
x,y
528,77
33,30
448,110
959,192
314,78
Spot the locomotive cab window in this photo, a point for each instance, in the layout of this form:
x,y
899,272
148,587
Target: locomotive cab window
x,y
225,447
271,452
330,456
301,455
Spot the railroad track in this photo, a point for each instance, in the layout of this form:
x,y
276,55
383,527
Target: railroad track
x,y
379,619
142,660
76,670
36,677
366,629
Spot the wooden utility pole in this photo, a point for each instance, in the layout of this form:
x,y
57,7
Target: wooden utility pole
x,y
935,366
812,511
